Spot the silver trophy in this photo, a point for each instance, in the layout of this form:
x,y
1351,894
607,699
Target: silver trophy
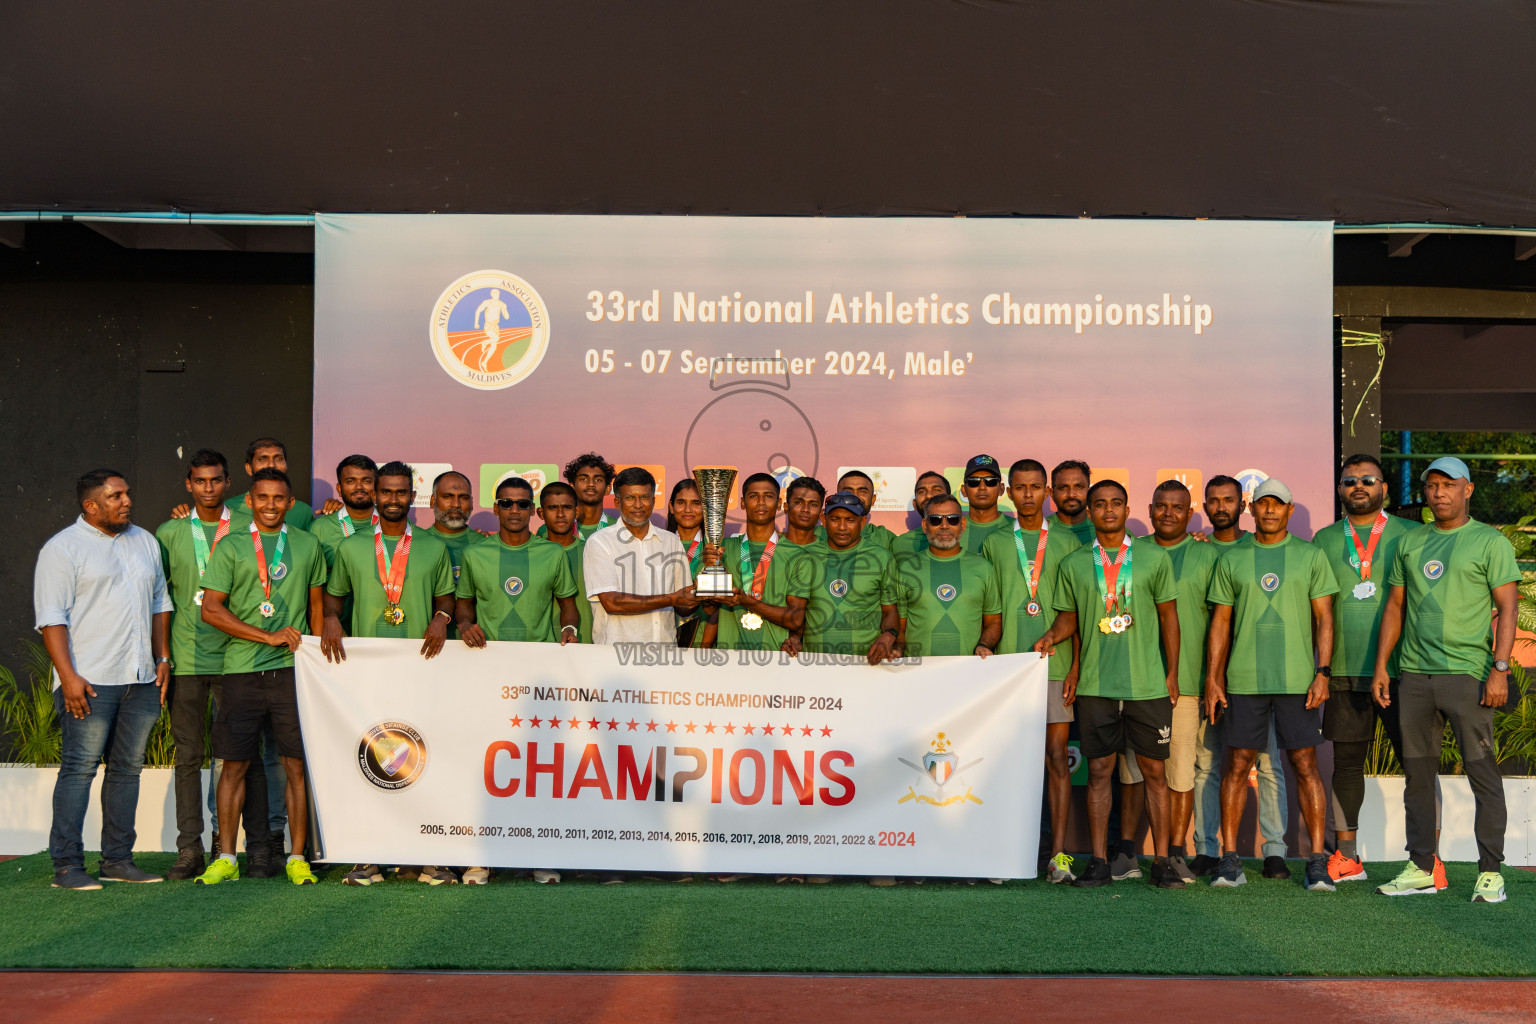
x,y
715,495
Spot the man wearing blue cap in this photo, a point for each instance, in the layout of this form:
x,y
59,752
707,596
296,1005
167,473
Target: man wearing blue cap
x,y
1446,582
851,586
982,487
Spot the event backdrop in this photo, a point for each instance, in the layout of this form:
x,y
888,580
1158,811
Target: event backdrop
x,y
509,344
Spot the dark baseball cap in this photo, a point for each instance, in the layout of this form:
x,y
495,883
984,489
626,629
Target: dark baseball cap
x,y
847,500
983,462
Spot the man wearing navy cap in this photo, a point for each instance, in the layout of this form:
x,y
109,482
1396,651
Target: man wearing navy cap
x,y
1445,584
852,588
982,486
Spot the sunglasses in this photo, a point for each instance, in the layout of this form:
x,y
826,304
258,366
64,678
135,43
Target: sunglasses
x,y
982,481
1365,481
508,503
953,519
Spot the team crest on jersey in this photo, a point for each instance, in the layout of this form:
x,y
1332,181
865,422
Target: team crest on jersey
x,y
455,574
939,766
392,755
489,330
946,592
1269,581
838,588
513,586
279,570
1433,570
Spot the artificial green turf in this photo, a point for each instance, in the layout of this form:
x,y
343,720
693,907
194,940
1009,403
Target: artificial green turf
x,y
1266,927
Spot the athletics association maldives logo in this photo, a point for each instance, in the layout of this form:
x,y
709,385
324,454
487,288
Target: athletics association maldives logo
x,y
513,586
1250,480
940,766
945,592
490,330
392,755
1269,581
1433,570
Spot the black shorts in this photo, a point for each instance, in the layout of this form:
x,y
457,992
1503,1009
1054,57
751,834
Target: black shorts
x,y
1349,717
1248,716
249,699
1108,726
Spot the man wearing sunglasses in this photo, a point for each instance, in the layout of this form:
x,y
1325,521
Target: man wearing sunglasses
x,y
507,587
1120,599
982,488
929,485
1360,549
949,602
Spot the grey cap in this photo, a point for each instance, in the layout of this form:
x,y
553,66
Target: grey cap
x,y
1450,466
1271,488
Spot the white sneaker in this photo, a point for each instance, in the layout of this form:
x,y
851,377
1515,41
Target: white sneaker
x,y
547,877
476,876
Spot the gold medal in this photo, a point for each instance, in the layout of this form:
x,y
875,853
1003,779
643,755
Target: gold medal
x,y
394,614
1105,625
751,620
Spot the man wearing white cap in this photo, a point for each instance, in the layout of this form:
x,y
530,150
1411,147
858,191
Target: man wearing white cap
x,y
1271,641
1445,584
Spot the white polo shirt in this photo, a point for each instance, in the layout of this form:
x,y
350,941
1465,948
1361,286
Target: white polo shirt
x,y
615,561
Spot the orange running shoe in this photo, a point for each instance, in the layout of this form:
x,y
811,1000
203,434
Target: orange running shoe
x,y
1345,869
1440,883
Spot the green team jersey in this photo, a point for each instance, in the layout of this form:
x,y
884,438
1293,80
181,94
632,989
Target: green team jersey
x,y
778,587
583,606
943,601
1083,531
1357,620
196,647
456,543
976,534
1270,588
873,533
355,574
330,532
1224,545
232,571
300,517
1193,563
846,590
1448,578
913,542
514,587
1128,665
1021,629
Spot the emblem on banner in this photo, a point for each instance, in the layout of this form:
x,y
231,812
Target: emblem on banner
x,y
1250,479
489,330
939,767
392,755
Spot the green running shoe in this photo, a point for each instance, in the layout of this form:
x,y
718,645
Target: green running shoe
x,y
299,873
1412,881
221,870
1489,888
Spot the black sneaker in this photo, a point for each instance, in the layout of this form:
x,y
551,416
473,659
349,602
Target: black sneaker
x,y
1165,877
189,864
1229,872
278,845
74,878
127,871
1178,866
259,862
1095,874
1318,879
1204,864
1274,867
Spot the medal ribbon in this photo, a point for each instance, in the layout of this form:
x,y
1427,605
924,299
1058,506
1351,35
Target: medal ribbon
x,y
760,574
261,557
392,571
1109,574
345,519
1031,575
1361,559
201,550
693,553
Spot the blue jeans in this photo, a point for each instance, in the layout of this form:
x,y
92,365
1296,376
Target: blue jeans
x,y
1209,752
118,728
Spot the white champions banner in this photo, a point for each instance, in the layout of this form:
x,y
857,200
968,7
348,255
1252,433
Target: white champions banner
x,y
649,757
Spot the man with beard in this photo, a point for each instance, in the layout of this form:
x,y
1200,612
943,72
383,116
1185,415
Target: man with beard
x,y
269,453
1123,605
1271,633
770,599
851,589
1069,493
401,584
1026,560
557,507
1360,549
1193,563
949,600
983,485
1223,506
589,475
928,486
104,613
452,501
356,476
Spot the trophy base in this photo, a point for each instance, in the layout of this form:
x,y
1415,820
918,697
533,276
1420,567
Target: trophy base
x,y
714,582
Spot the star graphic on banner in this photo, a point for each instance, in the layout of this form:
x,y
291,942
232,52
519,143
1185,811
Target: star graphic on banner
x,y
516,721
632,724
805,730
747,728
689,726
593,723
710,727
575,723
729,728
826,730
650,726
671,726
613,723
554,723
789,730
535,722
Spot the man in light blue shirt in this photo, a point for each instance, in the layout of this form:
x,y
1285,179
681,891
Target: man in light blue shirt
x,y
104,613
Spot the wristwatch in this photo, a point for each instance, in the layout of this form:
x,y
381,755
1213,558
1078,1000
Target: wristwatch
x,y
1501,665
443,614
1326,671
167,661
